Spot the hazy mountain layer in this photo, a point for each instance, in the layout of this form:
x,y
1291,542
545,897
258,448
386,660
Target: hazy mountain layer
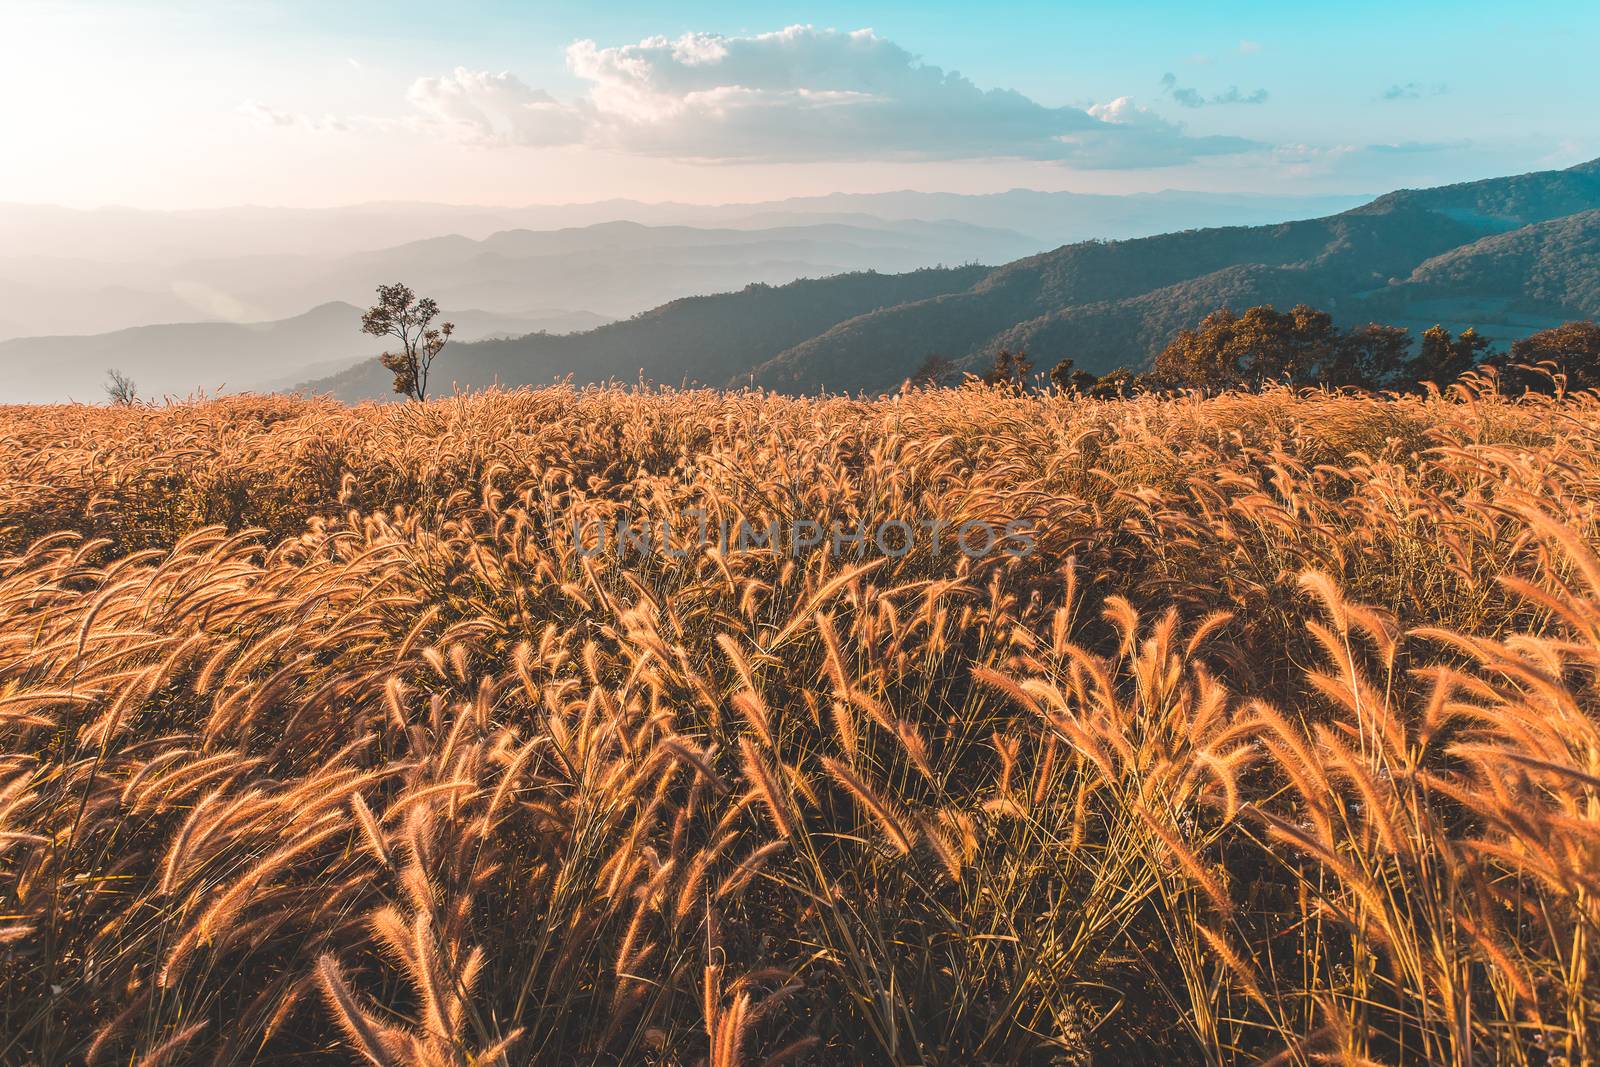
x,y
127,235
615,268
65,271
214,356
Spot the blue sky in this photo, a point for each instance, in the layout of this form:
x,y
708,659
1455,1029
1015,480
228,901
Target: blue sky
x,y
195,104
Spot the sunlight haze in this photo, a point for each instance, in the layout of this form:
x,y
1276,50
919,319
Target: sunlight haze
x,y
185,105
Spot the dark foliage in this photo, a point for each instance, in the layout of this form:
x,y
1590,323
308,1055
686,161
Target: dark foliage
x,y
1010,368
401,315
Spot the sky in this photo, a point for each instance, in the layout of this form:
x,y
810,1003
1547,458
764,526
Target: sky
x,y
311,104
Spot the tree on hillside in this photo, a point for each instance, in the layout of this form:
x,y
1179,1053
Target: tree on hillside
x,y
399,314
1010,368
936,371
1264,344
1367,357
1572,349
1116,384
1443,358
1064,376
120,389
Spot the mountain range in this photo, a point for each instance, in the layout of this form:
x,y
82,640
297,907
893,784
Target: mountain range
x,y
68,271
116,234
1508,255
188,300
612,268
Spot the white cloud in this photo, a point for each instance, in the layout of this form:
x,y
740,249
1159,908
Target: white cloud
x,y
1128,136
1249,48
266,115
799,94
269,116
496,109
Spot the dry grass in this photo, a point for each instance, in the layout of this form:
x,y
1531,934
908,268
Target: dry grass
x,y
317,738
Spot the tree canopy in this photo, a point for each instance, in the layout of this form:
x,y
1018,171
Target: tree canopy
x,y
401,315
1571,350
1228,350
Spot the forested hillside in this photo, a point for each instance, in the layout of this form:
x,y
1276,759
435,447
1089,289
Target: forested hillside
x,y
1507,255
706,339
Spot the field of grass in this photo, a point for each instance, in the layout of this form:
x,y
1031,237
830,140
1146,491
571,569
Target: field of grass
x,y
319,737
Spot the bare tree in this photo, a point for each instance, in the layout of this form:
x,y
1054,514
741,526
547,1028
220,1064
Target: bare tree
x,y
399,314
120,389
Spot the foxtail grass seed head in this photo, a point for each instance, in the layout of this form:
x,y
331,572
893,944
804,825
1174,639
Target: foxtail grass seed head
x,y
974,724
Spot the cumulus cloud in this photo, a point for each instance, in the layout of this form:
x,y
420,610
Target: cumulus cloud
x,y
1193,98
1132,136
496,109
798,94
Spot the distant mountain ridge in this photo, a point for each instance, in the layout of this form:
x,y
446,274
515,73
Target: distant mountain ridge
x,y
614,268
113,234
1506,254
180,358
72,271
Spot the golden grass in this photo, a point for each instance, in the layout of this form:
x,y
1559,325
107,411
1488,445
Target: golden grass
x,y
320,738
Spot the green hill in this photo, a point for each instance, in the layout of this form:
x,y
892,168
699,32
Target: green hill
x,y
1552,266
705,339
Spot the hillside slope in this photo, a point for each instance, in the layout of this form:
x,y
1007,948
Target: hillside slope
x,y
1111,303
1117,303
1509,253
706,339
1553,265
